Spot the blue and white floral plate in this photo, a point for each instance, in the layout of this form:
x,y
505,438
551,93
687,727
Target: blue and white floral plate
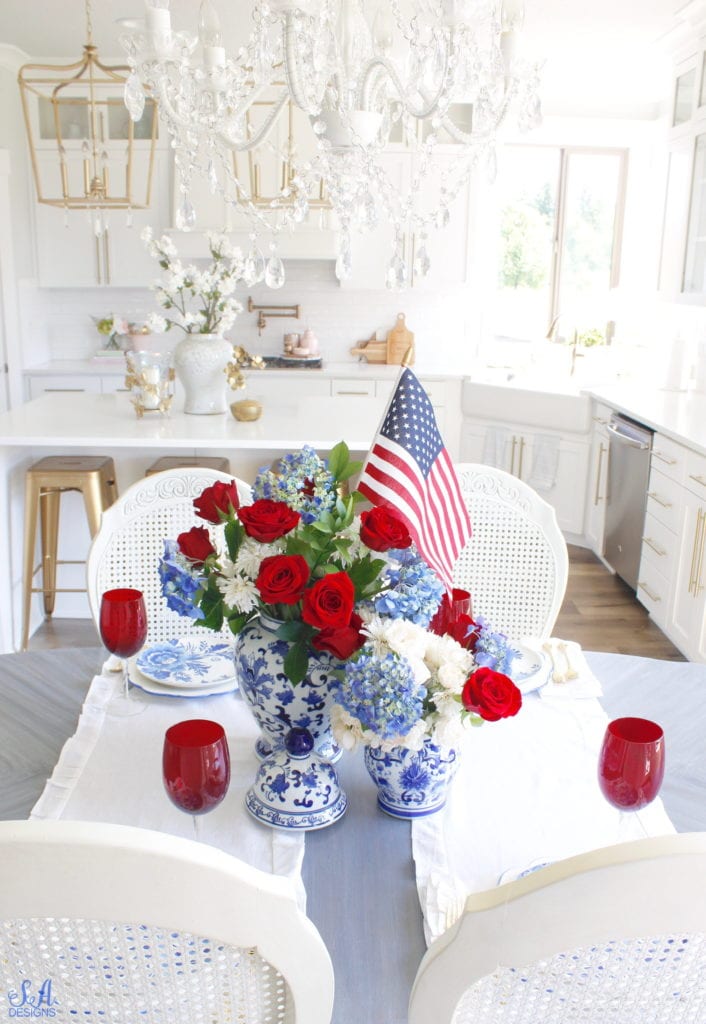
x,y
530,668
165,690
187,664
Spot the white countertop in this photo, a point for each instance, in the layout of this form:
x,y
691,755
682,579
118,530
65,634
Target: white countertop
x,y
109,366
680,415
86,420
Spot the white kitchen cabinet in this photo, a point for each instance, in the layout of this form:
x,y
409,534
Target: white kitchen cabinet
x,y
596,493
40,384
70,255
262,172
448,248
555,465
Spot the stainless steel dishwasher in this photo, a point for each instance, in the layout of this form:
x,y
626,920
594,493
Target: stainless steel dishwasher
x,y
629,450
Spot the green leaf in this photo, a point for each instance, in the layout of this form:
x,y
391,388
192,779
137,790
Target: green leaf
x,y
338,460
237,621
234,534
296,662
293,630
365,572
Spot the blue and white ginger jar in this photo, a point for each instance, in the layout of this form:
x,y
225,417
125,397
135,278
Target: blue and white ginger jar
x,y
276,703
411,783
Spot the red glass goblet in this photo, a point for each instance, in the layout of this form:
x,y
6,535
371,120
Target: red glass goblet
x,y
196,766
631,763
123,626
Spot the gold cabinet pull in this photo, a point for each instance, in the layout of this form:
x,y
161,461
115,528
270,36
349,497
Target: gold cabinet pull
x,y
701,529
697,479
694,554
522,448
655,547
657,454
652,597
601,452
660,501
599,419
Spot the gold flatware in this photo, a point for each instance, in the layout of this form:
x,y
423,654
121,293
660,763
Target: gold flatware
x,y
557,675
571,672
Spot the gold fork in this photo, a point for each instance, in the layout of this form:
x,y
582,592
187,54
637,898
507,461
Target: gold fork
x,y
571,672
557,675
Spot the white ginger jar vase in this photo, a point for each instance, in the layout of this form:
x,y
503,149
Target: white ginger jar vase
x,y
200,362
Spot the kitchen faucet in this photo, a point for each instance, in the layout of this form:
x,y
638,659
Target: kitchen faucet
x,y
264,312
575,354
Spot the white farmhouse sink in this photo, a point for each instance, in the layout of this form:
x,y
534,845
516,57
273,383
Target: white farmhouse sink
x,y
557,410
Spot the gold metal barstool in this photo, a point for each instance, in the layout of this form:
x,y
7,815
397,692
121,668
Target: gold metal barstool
x,y
187,461
45,482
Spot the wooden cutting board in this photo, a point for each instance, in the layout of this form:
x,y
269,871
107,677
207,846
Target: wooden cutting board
x,y
399,340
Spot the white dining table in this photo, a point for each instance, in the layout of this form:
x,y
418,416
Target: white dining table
x,y
359,875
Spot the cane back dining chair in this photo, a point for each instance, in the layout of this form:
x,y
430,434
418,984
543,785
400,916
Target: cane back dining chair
x,y
617,935
130,542
114,923
515,564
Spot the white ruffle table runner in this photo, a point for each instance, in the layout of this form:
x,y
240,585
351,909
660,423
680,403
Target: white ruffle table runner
x,y
110,770
526,792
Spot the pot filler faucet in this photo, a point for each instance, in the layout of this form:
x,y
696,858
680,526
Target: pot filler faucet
x,y
266,312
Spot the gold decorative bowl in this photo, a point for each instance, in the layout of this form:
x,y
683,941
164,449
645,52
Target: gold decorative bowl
x,y
247,409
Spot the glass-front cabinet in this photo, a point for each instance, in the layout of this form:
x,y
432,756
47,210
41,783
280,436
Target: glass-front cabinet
x,y
683,257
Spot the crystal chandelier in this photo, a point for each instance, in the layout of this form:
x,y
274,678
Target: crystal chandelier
x,y
80,139
433,79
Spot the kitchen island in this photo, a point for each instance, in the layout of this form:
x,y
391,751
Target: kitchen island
x,y
97,424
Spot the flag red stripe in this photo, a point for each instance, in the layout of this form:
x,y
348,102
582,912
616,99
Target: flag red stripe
x,y
430,521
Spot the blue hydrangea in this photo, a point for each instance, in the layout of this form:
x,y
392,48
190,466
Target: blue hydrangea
x,y
180,582
492,649
381,693
414,589
301,480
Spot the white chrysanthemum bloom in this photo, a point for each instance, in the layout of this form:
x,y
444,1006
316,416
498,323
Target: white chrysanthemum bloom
x,y
191,320
452,677
156,324
406,638
238,591
251,554
449,727
444,650
347,730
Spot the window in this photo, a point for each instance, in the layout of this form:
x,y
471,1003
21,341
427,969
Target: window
x,y
559,218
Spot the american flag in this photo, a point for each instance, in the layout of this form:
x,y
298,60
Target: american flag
x,y
409,469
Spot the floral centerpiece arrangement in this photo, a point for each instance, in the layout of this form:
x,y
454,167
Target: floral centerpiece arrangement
x,y
337,616
201,302
113,328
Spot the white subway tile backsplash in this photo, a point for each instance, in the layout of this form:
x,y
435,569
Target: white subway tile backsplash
x,y
57,324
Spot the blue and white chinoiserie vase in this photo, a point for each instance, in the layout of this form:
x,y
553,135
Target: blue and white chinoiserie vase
x,y
276,703
295,789
411,783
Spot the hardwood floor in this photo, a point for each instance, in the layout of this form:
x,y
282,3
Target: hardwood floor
x,y
599,611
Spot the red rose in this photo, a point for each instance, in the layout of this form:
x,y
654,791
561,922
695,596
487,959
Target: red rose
x,y
491,695
282,579
381,529
267,520
341,642
217,502
329,603
196,544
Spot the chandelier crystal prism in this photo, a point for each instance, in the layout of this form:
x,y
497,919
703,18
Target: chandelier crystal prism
x,y
334,93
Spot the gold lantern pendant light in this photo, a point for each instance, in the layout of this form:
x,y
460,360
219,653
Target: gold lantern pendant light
x,y
82,142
